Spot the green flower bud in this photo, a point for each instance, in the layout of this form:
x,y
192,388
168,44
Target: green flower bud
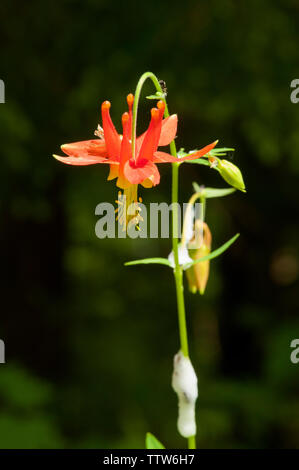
x,y
231,174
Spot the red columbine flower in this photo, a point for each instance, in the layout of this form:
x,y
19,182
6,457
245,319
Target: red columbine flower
x,y
116,149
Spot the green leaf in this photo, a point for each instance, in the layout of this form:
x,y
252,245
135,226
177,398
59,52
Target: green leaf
x,y
158,96
181,153
149,261
199,161
216,152
213,192
151,442
214,253
221,151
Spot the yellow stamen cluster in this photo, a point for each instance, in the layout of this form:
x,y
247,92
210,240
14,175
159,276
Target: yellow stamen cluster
x,y
128,211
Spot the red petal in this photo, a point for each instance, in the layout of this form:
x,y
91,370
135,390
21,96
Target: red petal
x,y
85,148
138,172
200,152
169,129
125,151
163,157
168,132
84,160
112,138
139,142
151,138
130,101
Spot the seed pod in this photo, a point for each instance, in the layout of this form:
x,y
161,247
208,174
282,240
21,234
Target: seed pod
x,y
231,174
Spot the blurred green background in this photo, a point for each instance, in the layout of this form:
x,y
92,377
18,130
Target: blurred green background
x,y
90,343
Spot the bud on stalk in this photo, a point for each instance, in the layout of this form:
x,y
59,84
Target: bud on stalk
x,y
229,172
198,247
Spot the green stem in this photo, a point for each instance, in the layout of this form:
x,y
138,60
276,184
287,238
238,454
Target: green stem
x,y
178,272
192,442
203,208
140,84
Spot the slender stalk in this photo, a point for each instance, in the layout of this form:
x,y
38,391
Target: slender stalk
x,y
140,84
178,272
192,442
201,217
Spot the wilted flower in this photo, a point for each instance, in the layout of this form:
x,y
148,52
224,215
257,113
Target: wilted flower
x,y
198,247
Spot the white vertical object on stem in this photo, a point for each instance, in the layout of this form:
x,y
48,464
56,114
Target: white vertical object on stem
x,y
184,383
